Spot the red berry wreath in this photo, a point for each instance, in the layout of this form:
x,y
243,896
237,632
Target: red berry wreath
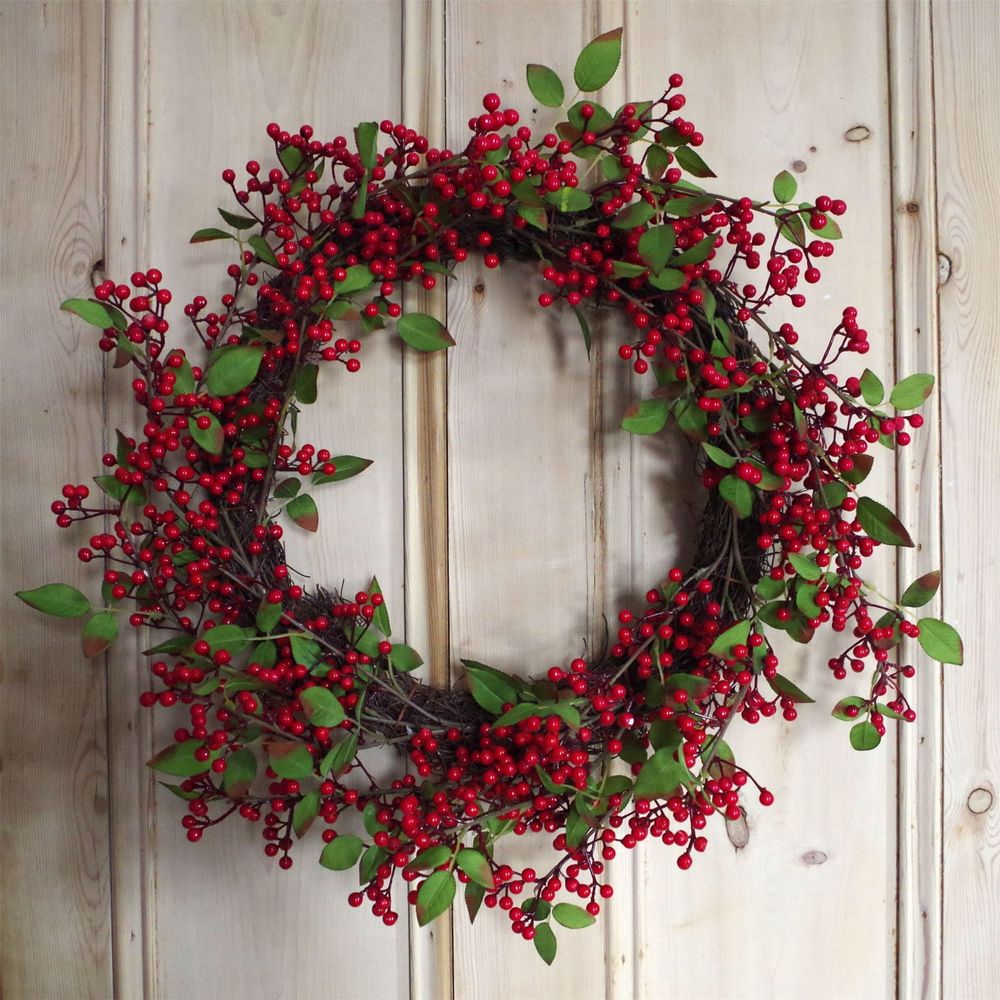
x,y
287,691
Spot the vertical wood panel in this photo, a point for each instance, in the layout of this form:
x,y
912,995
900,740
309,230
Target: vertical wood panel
x,y
522,480
967,92
55,935
228,922
130,727
425,458
919,497
818,872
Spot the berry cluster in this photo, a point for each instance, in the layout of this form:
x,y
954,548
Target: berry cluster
x,y
303,686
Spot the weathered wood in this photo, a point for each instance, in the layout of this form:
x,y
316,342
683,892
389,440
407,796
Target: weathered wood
x,y
54,861
228,922
967,92
769,95
919,498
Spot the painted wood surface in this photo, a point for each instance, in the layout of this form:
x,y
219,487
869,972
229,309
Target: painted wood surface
x,y
505,515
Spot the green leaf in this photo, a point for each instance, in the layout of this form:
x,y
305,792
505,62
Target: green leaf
x,y
686,208
637,214
179,759
305,384
490,688
404,658
431,857
852,701
95,313
545,943
696,254
719,456
263,251
577,828
381,617
656,161
831,231
241,769
231,638
570,199
912,391
322,707
783,686
207,235
370,862
572,916
289,759
534,216
738,493
872,390
784,187
475,865
859,473
305,812
366,136
881,524
233,368
805,600
291,158
940,641
342,852
211,438
57,599
358,278
735,635
346,466
656,245
100,631
302,510
790,226
423,332
864,736
434,897
287,488
626,270
474,896
692,162
668,280
599,60
660,776
647,417
119,491
545,86
921,590
769,588
805,566
237,221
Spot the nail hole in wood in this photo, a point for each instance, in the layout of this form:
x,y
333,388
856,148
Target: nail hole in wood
x,y
911,208
97,273
980,800
814,857
799,166
858,133
479,288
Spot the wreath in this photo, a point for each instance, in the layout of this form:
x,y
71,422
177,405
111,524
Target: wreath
x,y
287,691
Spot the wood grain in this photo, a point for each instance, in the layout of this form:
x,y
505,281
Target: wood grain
x,y
54,859
966,87
919,493
819,871
229,923
522,476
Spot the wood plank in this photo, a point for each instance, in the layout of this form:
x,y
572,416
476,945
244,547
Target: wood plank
x,y
425,459
271,933
55,934
130,727
919,497
764,100
967,93
521,470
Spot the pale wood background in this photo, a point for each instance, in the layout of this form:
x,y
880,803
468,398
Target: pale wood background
x,y
503,504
